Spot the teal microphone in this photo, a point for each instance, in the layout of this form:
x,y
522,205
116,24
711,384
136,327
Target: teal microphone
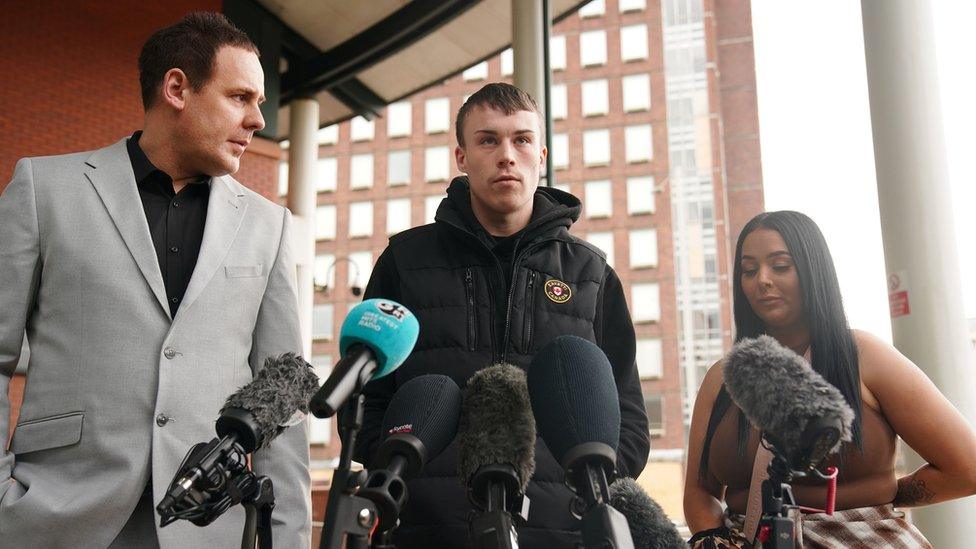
x,y
376,337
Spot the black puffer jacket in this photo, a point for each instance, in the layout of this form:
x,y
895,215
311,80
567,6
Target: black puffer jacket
x,y
471,317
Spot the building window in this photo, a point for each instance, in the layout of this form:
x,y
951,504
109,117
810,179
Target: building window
x,y
596,147
361,129
437,115
476,72
325,222
654,406
594,8
359,275
328,174
593,48
508,62
431,204
681,12
557,52
643,248
558,97
560,150
633,42
322,275
397,215
437,162
328,135
282,179
360,219
631,5
320,430
361,171
650,364
645,302
640,195
598,201
595,98
398,168
322,321
638,144
604,241
637,92
398,119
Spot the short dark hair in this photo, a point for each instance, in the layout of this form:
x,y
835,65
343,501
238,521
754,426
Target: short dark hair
x,y
499,96
190,45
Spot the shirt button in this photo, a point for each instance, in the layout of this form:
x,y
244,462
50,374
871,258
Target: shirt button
x,y
174,249
162,420
174,300
176,204
169,352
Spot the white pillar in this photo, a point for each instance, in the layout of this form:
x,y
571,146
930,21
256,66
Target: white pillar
x,y
303,155
527,49
928,321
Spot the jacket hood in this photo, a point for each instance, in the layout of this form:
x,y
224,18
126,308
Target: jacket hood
x,y
551,209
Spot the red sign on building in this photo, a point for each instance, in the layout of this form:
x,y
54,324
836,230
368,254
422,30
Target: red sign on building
x,y
898,304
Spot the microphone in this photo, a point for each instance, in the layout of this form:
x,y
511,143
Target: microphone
x,y
250,419
420,421
496,452
376,337
800,413
650,528
577,411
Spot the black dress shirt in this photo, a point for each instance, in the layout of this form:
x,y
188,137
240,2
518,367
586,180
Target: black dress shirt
x,y
176,220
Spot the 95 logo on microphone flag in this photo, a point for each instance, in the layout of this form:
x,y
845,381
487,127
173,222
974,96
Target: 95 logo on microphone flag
x,y
557,291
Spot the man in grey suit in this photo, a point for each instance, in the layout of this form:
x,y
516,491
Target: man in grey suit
x,y
151,285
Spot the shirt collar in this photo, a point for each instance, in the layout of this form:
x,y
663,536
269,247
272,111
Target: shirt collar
x,y
142,167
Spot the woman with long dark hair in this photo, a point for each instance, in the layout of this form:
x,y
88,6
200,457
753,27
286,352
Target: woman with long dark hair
x,y
785,286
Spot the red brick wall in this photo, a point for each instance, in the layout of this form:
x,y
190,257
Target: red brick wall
x,y
740,113
71,81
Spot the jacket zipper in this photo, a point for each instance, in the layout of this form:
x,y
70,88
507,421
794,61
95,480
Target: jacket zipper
x,y
511,293
529,311
469,290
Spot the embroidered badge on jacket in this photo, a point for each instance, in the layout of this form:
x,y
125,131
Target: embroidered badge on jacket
x,y
558,291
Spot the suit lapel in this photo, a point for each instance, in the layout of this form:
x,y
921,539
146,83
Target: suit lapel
x,y
225,211
111,175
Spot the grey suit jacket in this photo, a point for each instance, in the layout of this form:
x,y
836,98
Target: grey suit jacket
x,y
79,273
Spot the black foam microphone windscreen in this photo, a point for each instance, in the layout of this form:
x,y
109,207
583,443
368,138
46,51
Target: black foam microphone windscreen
x,y
650,527
277,397
426,407
496,424
574,396
782,395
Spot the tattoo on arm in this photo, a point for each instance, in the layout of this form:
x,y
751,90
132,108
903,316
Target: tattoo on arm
x,y
912,491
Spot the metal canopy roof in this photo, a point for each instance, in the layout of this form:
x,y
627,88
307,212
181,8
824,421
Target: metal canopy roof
x,y
357,57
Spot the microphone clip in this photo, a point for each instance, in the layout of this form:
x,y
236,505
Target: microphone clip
x,y
590,468
496,487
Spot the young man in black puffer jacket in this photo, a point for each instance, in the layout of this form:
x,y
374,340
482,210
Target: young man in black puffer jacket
x,y
493,279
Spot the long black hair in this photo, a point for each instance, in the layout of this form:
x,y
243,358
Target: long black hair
x,y
833,353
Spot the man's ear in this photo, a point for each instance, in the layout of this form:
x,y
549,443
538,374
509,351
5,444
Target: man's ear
x,y
543,154
460,158
174,89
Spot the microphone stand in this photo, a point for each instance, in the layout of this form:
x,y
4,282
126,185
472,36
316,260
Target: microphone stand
x,y
258,504
587,467
776,528
348,517
492,527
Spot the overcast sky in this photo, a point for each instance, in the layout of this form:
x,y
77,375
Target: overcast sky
x,y
815,131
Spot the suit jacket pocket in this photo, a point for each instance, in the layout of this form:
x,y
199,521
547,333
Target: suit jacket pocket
x,y
242,271
46,433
